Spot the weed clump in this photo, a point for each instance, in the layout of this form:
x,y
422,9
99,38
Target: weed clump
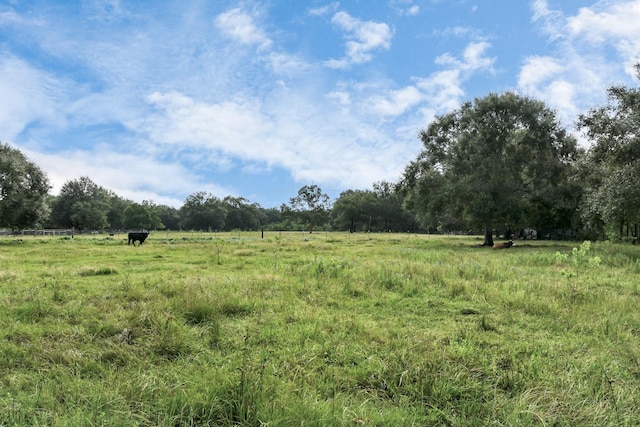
x,y
580,259
97,271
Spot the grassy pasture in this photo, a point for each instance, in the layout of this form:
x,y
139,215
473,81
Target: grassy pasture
x,y
329,329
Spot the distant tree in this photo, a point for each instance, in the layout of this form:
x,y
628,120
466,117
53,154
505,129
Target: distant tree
x,y
390,212
169,216
610,171
272,218
89,215
380,209
155,221
82,204
311,205
501,159
242,215
50,200
353,210
202,211
115,215
141,216
23,190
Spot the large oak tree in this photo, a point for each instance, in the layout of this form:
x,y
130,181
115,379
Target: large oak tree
x,y
23,190
502,159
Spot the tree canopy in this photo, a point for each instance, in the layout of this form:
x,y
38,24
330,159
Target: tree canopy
x,y
203,211
242,215
503,159
311,205
379,209
610,172
82,204
141,216
23,190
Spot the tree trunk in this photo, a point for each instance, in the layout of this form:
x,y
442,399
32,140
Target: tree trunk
x,y
488,237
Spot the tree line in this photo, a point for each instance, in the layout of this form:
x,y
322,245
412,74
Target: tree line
x,y
85,206
495,165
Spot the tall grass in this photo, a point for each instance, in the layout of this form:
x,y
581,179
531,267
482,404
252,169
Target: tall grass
x,y
329,330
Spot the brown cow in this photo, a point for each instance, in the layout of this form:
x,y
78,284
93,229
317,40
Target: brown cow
x,y
503,245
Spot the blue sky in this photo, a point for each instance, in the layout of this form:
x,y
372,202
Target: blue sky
x,y
156,100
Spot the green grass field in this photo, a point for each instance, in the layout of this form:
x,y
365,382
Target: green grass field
x,y
329,329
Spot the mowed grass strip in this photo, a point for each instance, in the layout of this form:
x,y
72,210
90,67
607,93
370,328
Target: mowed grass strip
x,y
328,329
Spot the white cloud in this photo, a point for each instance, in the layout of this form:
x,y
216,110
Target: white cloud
x,y
551,21
324,10
287,130
240,26
413,10
405,7
473,58
28,96
410,107
537,70
230,126
396,102
363,37
620,21
131,176
10,17
286,64
343,98
563,95
443,89
616,25
456,31
581,63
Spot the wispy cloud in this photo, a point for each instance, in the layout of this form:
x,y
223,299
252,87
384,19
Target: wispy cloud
x,y
537,70
29,96
619,20
474,57
581,58
405,7
615,25
107,167
363,38
324,10
397,102
551,21
240,26
410,107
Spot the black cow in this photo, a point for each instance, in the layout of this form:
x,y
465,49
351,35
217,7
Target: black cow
x,y
140,236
